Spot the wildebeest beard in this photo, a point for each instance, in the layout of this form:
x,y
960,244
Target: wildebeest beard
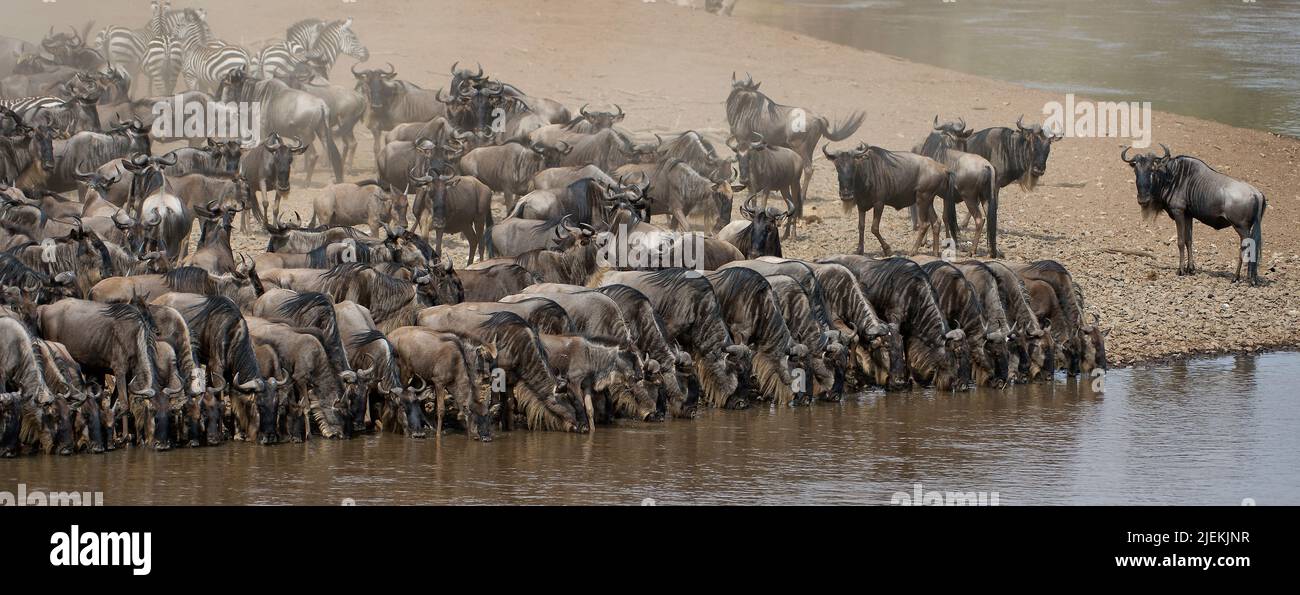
x,y
143,350
649,334
520,353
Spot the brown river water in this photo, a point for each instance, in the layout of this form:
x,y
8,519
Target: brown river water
x,y
1200,431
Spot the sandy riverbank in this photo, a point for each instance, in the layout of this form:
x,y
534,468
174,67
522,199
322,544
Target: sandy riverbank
x,y
669,69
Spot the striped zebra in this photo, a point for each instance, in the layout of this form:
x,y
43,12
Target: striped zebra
x,y
277,59
206,60
162,63
304,33
122,47
337,38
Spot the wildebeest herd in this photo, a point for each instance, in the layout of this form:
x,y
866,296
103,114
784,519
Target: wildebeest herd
x,y
121,332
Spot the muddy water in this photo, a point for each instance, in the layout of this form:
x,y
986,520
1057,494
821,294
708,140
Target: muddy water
x,y
1206,431
1223,60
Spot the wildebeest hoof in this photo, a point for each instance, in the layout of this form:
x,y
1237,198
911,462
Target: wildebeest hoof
x,y
65,451
193,443
158,446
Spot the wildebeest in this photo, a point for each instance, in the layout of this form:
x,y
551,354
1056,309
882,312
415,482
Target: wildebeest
x,y
353,204
241,286
1186,188
608,379
1052,296
27,157
117,339
764,167
750,111
753,317
494,282
983,354
323,393
760,234
457,204
509,168
1032,350
442,362
288,112
901,293
32,399
392,302
391,102
222,342
266,167
692,317
974,177
520,361
873,178
675,189
1018,155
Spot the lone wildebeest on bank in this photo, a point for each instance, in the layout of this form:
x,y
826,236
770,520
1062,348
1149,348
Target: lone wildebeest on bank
x,y
1186,188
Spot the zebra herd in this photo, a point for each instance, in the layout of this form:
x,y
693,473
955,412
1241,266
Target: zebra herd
x,y
178,43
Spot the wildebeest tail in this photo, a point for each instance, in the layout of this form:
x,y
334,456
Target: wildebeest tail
x,y
375,182
992,232
950,197
331,149
846,128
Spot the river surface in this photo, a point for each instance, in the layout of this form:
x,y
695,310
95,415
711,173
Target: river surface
x,y
1225,60
1203,431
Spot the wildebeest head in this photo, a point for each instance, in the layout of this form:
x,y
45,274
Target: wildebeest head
x,y
463,78
551,155
61,45
764,227
92,421
745,84
846,167
955,133
433,191
934,361
1093,339
602,120
441,284
1040,141
1150,171
377,86
282,151
40,140
226,153
137,132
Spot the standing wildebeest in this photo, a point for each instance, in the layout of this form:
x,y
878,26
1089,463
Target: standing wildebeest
x,y
675,189
288,112
266,167
974,177
392,302
520,360
390,102
509,168
692,316
354,204
457,204
749,111
607,149
495,282
164,216
873,178
696,151
23,373
27,157
1018,155
760,234
323,394
346,108
1186,188
240,286
117,339
901,293
609,379
763,168
984,355
92,151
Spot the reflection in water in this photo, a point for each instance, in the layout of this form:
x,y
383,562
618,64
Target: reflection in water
x,y
1207,431
1228,61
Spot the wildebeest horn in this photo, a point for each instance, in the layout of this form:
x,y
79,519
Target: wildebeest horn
x,y
353,68
826,152
423,384
1167,154
1123,155
955,334
348,376
789,206
936,123
82,175
583,110
620,110
480,71
391,70
1020,123
961,123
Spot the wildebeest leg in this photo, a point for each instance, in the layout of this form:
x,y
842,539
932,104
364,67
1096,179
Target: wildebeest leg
x,y
875,230
1187,233
927,219
807,175
972,212
472,238
507,412
309,159
439,407
1178,225
508,198
437,233
278,196
680,222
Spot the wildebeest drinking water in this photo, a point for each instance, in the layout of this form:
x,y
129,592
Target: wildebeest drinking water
x,y
1186,188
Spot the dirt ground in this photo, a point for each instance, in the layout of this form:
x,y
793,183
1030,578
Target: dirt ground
x,y
670,69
